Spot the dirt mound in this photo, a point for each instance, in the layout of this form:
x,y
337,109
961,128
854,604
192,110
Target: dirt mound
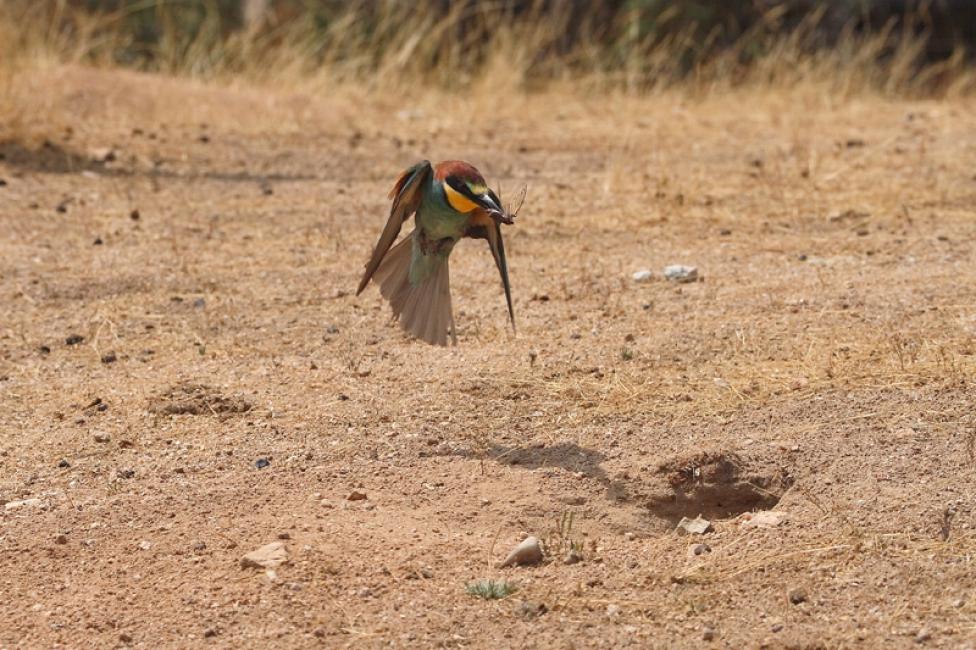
x,y
196,399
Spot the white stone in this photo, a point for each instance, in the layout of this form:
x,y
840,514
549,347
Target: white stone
x,y
23,503
763,519
696,526
268,556
529,551
680,273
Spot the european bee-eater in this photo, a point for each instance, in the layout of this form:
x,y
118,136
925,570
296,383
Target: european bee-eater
x,y
451,200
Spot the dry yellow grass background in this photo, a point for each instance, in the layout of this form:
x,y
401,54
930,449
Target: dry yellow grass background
x,y
827,358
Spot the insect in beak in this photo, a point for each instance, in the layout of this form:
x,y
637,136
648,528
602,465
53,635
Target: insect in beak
x,y
503,215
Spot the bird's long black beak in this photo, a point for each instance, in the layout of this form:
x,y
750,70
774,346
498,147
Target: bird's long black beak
x,y
493,206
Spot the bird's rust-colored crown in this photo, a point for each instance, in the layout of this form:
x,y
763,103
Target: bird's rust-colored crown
x,y
460,170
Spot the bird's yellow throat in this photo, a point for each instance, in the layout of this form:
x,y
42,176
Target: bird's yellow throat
x,y
457,200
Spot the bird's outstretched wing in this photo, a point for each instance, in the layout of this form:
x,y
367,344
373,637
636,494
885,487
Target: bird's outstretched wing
x,y
484,227
407,195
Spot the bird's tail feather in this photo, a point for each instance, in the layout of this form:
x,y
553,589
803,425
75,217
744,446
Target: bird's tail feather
x,y
424,309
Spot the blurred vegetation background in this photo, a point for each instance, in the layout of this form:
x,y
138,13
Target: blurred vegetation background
x,y
913,46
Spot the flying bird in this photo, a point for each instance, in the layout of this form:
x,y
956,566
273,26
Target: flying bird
x,y
450,200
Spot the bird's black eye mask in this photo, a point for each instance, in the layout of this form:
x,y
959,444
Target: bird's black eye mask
x,y
462,188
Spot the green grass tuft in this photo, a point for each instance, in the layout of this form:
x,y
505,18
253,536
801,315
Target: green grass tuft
x,y
491,589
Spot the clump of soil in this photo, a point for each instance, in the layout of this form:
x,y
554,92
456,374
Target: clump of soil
x,y
196,399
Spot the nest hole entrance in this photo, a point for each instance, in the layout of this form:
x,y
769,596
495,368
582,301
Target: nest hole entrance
x,y
714,502
717,486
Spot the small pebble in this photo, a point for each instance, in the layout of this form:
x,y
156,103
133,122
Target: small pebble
x,y
708,634
22,503
573,557
102,437
696,526
356,495
61,539
923,636
64,464
680,273
643,275
528,609
261,463
696,550
109,357
268,556
763,519
797,595
528,551
74,339
102,154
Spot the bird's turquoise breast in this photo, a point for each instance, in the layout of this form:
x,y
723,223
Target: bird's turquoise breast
x,y
437,218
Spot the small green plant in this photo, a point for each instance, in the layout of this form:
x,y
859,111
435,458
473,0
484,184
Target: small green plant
x,y
491,589
561,539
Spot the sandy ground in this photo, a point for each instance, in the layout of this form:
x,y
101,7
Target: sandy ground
x,y
185,375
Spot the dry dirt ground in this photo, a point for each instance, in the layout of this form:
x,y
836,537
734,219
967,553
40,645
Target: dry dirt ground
x,y
185,375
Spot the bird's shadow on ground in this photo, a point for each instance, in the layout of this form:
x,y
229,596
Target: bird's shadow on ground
x,y
565,455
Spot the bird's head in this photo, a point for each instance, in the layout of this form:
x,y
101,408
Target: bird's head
x,y
466,190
